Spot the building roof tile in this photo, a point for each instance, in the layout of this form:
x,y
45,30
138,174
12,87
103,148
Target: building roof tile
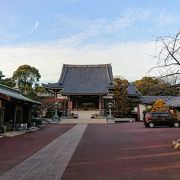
x,y
152,99
15,94
132,90
174,102
84,79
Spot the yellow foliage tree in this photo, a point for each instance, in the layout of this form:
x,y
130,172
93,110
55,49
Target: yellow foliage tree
x,y
160,106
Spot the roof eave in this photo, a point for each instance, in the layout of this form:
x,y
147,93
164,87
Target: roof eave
x,y
82,94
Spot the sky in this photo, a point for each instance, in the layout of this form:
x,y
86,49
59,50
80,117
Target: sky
x,y
49,33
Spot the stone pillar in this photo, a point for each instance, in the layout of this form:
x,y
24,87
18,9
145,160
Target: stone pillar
x,y
14,120
100,113
55,96
29,111
138,112
76,103
69,106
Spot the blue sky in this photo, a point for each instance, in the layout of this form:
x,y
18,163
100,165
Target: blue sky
x,y
48,33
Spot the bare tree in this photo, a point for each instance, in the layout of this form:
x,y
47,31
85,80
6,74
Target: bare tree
x,y
168,55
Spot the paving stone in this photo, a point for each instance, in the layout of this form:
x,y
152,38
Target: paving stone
x,y
51,161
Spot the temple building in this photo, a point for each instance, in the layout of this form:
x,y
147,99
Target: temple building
x,y
15,109
87,87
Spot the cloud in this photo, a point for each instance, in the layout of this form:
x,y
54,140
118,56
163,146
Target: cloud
x,y
86,28
6,25
131,60
109,25
150,18
35,27
105,25
6,37
164,19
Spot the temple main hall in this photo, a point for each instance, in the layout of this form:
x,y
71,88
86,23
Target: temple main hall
x,y
87,87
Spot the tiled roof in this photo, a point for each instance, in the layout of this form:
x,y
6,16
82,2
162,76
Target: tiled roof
x,y
174,102
15,94
152,99
84,79
132,90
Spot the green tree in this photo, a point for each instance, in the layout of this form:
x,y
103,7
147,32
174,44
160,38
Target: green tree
x,y
37,90
40,89
28,78
123,105
149,86
8,82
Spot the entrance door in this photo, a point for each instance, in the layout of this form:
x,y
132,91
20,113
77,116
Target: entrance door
x,y
86,103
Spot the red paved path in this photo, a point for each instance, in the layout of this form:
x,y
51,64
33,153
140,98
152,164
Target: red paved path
x,y
126,151
15,149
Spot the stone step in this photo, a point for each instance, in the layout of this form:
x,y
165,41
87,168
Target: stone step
x,y
83,121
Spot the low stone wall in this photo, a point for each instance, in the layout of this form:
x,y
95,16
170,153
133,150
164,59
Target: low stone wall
x,y
124,119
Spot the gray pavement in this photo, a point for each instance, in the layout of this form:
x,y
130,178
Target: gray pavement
x,y
84,117
50,162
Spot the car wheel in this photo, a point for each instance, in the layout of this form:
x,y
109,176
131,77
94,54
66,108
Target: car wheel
x,y
176,124
151,125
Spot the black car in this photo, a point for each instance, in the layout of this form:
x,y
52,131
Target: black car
x,y
152,119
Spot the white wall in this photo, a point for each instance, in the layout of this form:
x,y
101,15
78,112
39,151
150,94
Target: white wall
x,y
142,107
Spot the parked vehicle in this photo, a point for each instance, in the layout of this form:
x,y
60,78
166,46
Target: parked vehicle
x,y
152,119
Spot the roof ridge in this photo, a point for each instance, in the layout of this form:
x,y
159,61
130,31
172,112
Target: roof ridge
x,y
107,69
87,65
9,88
84,79
63,75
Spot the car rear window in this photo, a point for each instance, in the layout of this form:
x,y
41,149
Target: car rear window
x,y
160,114
156,115
148,115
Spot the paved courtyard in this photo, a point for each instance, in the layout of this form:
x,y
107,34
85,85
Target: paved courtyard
x,y
18,148
104,151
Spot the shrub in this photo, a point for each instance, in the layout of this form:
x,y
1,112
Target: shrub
x,y
160,106
37,121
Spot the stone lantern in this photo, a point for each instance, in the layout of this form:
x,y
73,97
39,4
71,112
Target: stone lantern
x,y
55,118
110,118
110,106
